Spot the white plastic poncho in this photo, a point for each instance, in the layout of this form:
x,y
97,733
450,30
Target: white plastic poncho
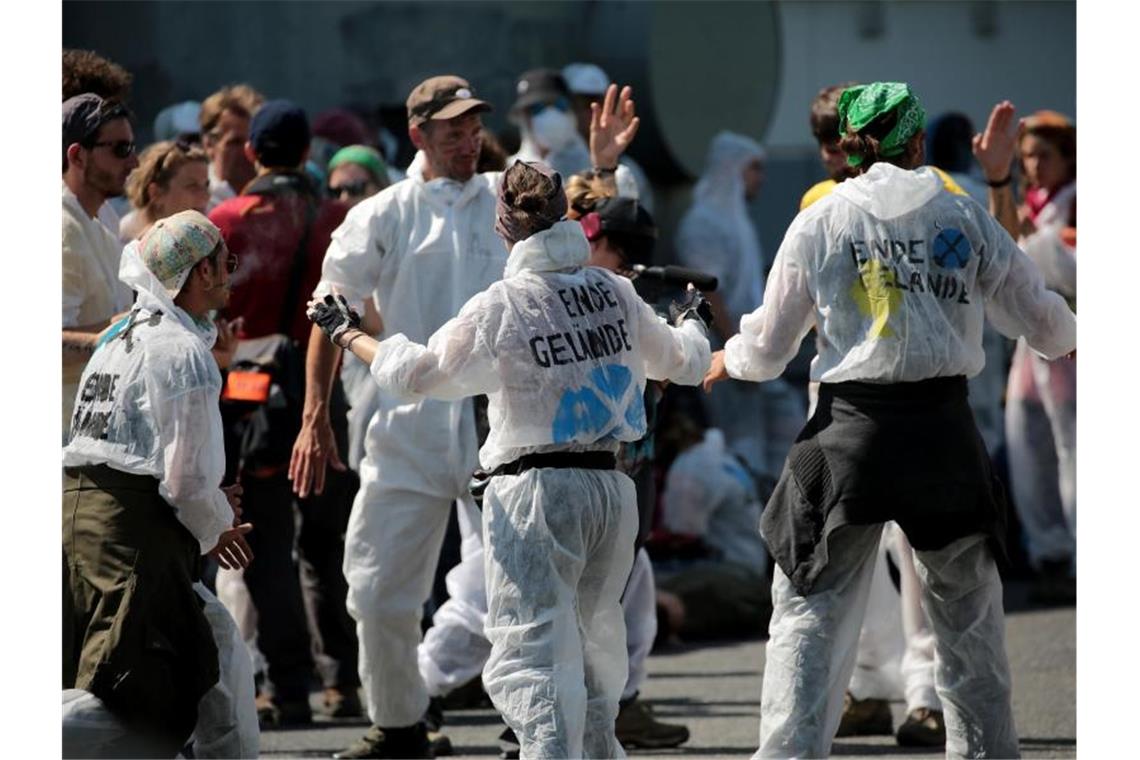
x,y
899,276
716,234
148,405
563,352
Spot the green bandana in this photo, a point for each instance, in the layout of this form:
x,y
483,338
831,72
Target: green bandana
x,y
362,155
862,104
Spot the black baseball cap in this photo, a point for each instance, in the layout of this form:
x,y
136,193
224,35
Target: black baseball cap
x,y
625,222
279,133
539,86
84,115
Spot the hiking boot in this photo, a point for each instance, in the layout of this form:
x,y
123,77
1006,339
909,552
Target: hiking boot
x,y
406,742
923,727
508,745
272,714
342,703
865,717
637,728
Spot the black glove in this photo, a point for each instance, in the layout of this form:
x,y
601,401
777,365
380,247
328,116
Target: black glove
x,y
334,316
693,306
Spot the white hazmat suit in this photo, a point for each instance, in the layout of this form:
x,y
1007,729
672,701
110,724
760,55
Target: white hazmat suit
x,y
717,236
563,352
899,277
424,247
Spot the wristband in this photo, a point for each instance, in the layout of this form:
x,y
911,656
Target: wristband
x,y
1001,182
348,346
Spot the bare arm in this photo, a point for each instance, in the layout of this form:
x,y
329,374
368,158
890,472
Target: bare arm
x,y
316,445
995,149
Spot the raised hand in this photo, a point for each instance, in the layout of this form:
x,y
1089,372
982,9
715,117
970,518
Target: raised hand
x,y
613,125
995,147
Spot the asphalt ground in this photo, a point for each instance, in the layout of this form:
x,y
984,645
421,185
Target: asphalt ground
x,y
715,691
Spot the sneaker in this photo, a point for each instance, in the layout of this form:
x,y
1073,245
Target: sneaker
x,y
272,714
342,703
407,742
923,727
509,745
865,717
637,728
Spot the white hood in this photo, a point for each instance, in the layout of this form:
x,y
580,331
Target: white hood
x,y
886,191
152,295
563,246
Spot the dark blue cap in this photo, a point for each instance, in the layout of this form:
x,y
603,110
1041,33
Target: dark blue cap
x,y
279,133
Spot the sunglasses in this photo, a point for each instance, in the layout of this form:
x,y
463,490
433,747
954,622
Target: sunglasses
x,y
352,189
562,104
230,263
119,148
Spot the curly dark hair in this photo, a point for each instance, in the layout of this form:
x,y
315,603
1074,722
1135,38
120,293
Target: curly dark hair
x,y
87,71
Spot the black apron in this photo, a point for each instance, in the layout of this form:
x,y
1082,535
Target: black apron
x,y
908,452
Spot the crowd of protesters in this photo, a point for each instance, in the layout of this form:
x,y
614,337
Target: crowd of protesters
x,y
317,402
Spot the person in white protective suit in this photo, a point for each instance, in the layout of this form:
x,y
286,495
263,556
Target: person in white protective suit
x,y
898,275
143,469
563,352
423,247
717,236
895,655
550,121
454,649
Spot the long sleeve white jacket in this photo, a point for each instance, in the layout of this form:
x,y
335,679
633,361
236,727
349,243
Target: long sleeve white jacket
x,y
899,275
562,350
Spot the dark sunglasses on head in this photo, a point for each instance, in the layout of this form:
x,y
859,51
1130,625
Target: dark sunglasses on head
x,y
353,189
119,148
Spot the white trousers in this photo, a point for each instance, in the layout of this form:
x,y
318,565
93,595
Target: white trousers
x,y
811,648
1041,430
454,649
391,550
895,655
559,546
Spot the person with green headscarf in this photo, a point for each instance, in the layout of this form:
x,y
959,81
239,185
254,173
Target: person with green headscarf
x,y
898,275
356,172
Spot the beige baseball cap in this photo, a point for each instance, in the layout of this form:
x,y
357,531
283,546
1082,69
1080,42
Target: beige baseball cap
x,y
440,98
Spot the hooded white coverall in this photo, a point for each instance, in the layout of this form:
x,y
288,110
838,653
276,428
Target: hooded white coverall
x,y
563,352
424,248
843,266
717,236
164,422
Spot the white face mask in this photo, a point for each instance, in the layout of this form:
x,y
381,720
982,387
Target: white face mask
x,y
553,129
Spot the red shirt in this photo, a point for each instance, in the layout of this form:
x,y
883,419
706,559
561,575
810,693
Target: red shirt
x,y
263,227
